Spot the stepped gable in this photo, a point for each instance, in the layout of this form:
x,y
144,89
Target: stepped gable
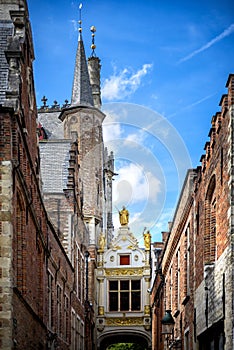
x,y
217,121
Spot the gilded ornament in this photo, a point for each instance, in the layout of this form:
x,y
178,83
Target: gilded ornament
x,y
123,217
101,310
147,240
116,247
124,272
128,321
132,247
147,310
101,242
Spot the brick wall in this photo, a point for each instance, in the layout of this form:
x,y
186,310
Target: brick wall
x,y
197,262
33,260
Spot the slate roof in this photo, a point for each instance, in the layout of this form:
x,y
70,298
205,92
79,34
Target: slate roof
x,y
81,90
51,123
6,29
54,165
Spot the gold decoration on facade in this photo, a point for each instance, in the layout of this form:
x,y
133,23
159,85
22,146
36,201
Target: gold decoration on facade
x,y
132,247
120,321
116,247
147,240
101,242
124,272
147,310
123,217
101,310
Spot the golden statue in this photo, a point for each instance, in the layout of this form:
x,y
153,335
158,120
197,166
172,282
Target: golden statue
x,y
101,242
147,240
123,216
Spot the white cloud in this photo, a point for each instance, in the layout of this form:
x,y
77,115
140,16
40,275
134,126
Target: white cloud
x,y
192,105
123,84
74,24
133,185
111,132
219,37
137,138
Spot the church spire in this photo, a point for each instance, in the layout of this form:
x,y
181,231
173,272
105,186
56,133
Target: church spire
x,y
81,90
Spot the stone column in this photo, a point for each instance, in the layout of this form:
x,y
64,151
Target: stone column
x,y
101,309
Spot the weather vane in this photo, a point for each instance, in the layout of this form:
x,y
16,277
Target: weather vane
x,y
80,21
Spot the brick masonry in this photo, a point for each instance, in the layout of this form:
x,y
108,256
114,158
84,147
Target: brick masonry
x,y
42,276
197,261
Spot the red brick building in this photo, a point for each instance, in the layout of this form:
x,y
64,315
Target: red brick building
x,y
49,224
194,278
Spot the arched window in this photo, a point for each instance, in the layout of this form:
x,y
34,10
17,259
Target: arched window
x,y
210,223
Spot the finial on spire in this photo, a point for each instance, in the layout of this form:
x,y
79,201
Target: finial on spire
x,y
80,21
93,46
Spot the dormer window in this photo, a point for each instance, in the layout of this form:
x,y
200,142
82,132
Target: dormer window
x,y
124,259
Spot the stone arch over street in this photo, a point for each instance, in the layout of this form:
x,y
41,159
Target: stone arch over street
x,y
123,336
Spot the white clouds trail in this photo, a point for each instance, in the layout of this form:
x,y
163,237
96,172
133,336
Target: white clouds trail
x,y
191,105
221,36
124,84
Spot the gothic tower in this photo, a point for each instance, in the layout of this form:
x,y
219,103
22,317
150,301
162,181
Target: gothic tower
x,y
83,122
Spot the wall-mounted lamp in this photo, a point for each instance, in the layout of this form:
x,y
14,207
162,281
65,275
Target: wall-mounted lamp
x,y
167,323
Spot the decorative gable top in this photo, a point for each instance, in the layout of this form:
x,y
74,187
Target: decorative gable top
x,y
124,251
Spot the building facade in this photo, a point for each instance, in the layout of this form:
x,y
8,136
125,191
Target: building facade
x,y
123,279
194,279
55,198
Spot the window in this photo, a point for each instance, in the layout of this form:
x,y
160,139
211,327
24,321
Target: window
x,y
186,340
186,262
171,289
125,295
73,330
210,223
50,300
124,259
20,245
77,332
66,315
187,284
198,219
178,280
79,274
81,335
59,309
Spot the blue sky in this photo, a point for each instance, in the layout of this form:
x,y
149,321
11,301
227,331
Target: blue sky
x,y
164,70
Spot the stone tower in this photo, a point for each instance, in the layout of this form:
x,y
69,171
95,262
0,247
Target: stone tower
x,y
83,122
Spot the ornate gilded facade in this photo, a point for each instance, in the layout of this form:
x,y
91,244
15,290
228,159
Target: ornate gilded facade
x,y
123,281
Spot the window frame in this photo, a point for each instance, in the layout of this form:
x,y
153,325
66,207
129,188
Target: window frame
x,y
121,297
124,257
